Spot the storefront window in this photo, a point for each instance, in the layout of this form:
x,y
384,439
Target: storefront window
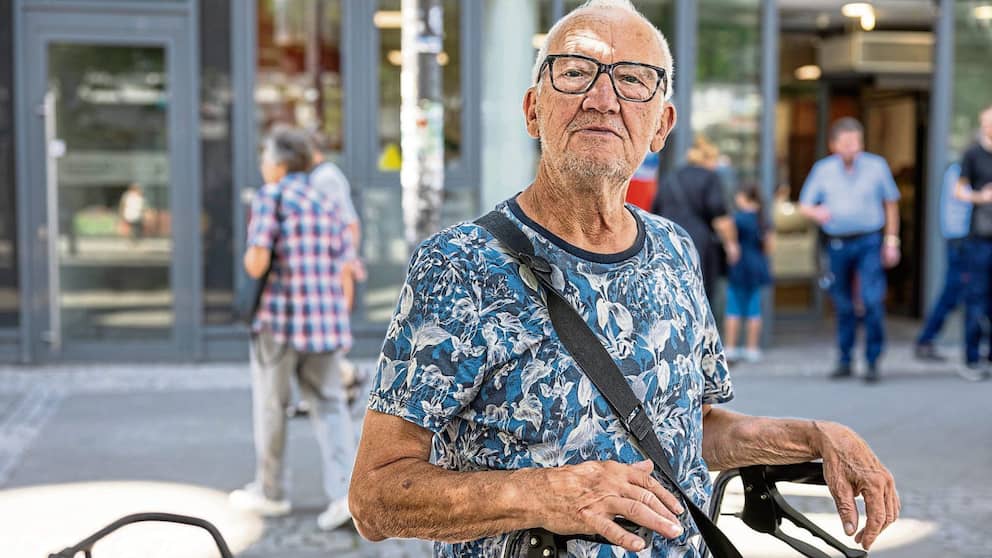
x,y
298,78
972,88
8,207
390,156
217,156
726,99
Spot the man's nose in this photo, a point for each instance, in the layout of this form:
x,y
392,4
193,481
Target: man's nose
x,y
602,97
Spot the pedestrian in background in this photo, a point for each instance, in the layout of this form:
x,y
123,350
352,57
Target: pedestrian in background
x,y
692,196
852,196
955,221
749,275
327,176
975,187
301,328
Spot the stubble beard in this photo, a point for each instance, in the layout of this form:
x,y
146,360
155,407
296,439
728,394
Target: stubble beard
x,y
584,169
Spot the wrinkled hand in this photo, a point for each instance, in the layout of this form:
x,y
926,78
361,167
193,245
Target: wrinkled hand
x,y
585,498
890,256
852,469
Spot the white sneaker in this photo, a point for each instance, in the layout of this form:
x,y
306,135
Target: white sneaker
x,y
733,354
251,499
752,355
336,515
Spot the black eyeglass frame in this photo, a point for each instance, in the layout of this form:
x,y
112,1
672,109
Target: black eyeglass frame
x,y
607,69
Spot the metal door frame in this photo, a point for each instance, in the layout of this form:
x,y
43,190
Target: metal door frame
x,y
171,27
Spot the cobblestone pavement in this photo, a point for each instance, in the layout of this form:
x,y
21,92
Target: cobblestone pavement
x,y
930,428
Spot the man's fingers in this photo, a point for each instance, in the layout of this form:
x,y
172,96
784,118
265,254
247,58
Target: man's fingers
x,y
846,507
614,533
649,499
645,516
667,499
876,514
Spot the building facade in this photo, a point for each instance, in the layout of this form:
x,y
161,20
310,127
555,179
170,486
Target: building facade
x,y
129,134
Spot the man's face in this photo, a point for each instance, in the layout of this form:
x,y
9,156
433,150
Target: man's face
x,y
847,145
986,124
596,134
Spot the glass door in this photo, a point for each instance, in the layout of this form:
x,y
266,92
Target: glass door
x,y
113,188
108,164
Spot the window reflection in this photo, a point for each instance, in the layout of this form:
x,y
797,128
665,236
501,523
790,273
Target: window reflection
x,y
726,99
298,78
390,156
972,88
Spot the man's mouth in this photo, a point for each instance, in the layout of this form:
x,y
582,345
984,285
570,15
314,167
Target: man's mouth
x,y
599,130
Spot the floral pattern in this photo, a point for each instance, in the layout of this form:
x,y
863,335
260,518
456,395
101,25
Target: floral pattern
x,y
471,355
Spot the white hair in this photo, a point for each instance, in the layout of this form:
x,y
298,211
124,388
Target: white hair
x,y
666,53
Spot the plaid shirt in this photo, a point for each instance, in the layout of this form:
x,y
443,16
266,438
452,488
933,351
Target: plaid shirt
x,y
303,302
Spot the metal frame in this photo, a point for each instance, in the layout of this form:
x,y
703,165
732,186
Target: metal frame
x,y
116,24
686,37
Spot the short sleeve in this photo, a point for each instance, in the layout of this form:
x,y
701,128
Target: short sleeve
x,y
434,356
263,222
714,200
812,192
890,191
968,168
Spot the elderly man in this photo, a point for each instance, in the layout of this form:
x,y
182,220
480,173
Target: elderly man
x,y
975,186
853,197
481,423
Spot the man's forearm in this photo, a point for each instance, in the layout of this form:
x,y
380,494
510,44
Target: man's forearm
x,y
733,440
725,229
415,499
892,219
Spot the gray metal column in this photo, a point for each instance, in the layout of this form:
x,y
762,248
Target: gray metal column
x,y
244,46
769,95
940,125
557,11
768,172
686,35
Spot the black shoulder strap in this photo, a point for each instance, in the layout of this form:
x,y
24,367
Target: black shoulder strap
x,y
594,360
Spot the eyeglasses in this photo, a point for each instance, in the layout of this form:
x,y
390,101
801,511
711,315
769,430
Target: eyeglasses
x,y
574,74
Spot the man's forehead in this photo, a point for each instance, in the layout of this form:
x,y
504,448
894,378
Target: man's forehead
x,y
608,35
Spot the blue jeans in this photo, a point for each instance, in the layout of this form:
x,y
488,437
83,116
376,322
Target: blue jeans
x,y
861,255
976,304
955,281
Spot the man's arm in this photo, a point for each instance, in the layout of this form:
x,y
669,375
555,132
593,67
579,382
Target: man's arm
x,y
396,492
890,242
966,193
256,260
733,440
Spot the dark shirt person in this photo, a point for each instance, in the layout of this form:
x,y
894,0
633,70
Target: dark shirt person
x,y
853,197
975,186
692,196
479,423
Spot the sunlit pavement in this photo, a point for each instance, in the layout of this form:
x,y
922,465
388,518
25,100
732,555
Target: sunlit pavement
x,y
82,445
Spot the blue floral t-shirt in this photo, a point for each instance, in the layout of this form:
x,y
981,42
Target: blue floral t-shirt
x,y
471,355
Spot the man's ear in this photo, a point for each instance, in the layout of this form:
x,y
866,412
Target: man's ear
x,y
666,123
530,112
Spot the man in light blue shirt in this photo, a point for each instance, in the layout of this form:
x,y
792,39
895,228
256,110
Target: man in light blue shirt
x,y
853,197
955,220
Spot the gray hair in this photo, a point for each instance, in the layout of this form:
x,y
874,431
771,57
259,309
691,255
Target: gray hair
x,y
667,62
289,147
846,124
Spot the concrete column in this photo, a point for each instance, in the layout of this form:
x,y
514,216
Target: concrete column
x,y
509,155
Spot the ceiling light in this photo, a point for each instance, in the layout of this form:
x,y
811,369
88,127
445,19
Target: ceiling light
x,y
868,21
810,72
857,9
388,19
984,12
537,41
395,57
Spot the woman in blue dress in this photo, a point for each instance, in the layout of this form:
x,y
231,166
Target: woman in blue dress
x,y
747,277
